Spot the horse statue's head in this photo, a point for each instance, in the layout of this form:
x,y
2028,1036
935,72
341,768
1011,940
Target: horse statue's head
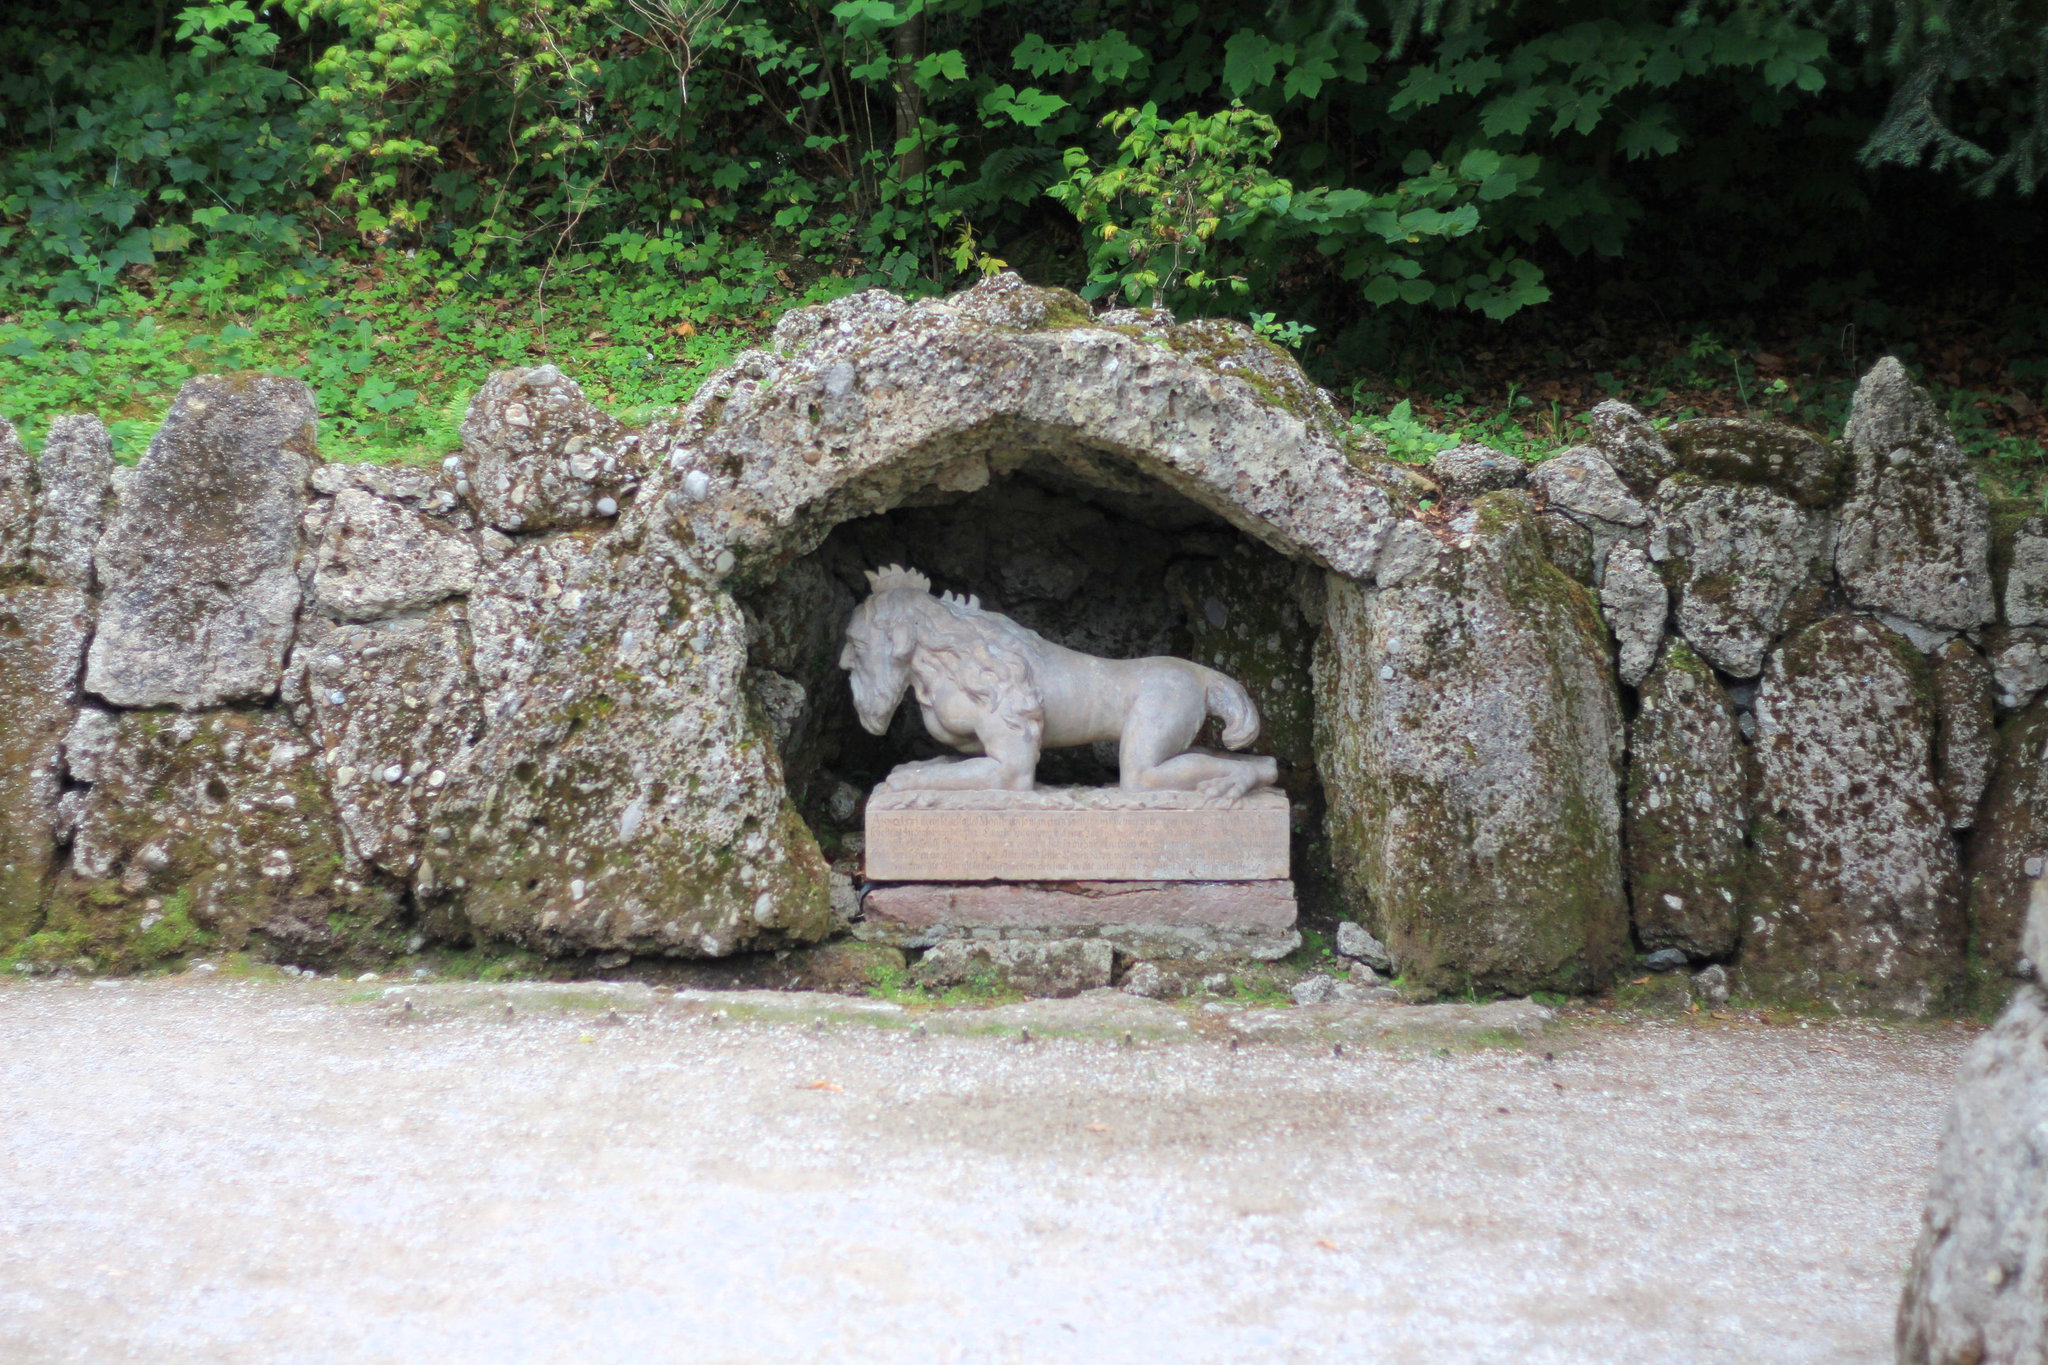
x,y
880,640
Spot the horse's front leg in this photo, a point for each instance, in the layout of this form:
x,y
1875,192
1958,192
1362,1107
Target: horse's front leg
x,y
1009,763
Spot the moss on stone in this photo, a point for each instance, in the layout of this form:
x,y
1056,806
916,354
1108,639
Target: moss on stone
x,y
1484,853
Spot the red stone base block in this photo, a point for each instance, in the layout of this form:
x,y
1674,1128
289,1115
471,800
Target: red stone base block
x,y
1201,920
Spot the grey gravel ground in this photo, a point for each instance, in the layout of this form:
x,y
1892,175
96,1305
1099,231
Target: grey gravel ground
x,y
195,1169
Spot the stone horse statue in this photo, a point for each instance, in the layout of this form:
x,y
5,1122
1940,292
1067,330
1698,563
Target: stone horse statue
x,y
990,688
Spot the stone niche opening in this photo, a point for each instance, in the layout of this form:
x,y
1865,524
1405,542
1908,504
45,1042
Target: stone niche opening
x,y
1106,561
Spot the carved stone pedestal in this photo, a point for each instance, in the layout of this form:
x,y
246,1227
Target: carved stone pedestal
x,y
1156,874
1076,833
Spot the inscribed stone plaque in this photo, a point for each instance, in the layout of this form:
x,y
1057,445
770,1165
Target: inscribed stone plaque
x,y
1060,834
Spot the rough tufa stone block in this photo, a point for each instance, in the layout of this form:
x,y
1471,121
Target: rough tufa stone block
x,y
1059,834
199,570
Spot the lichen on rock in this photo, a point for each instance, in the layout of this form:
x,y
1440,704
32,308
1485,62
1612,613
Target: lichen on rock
x,y
43,631
1914,534
376,558
223,813
1687,778
2008,852
1980,1270
1630,443
17,503
199,570
1743,561
1633,599
538,456
1858,896
622,796
393,709
868,401
72,495
2026,580
1965,737
1470,739
1467,471
1791,462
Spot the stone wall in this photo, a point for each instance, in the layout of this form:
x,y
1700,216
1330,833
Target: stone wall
x,y
1726,688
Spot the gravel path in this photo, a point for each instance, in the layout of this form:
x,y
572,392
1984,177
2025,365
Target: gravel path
x,y
196,1169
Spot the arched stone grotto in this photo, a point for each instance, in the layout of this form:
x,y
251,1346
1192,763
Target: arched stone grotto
x,y
1723,689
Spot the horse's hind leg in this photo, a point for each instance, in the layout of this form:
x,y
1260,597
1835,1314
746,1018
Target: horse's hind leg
x,y
1208,772
1157,758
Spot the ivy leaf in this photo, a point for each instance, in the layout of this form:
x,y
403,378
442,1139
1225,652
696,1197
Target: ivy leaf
x,y
1250,59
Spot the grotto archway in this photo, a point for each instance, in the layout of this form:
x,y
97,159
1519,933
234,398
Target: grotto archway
x,y
635,798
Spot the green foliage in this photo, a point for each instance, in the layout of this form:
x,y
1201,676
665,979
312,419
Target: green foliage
x,y
1156,213
1967,73
395,344
186,185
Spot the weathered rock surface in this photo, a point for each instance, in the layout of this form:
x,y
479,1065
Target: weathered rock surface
x,y
17,502
198,572
1469,470
1629,442
1979,1280
1744,560
2026,581
1056,967
1582,483
1470,738
1687,780
1784,459
620,797
219,818
1965,736
1242,619
539,456
2009,850
72,497
507,609
1858,897
869,400
1914,534
42,646
377,559
393,708
2019,665
1633,599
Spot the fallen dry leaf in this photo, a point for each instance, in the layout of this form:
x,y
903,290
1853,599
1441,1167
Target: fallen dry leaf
x,y
1098,1127
1326,1244
826,1085
1640,981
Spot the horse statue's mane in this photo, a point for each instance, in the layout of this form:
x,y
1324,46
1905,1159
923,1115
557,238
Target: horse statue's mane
x,y
990,656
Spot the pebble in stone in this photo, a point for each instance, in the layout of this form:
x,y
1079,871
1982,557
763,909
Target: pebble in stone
x,y
1711,986
1355,941
1665,960
1146,980
1314,990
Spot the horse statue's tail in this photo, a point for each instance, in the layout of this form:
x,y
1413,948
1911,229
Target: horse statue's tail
x,y
1230,703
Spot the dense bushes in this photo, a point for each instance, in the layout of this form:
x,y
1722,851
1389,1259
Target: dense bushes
x,y
1414,155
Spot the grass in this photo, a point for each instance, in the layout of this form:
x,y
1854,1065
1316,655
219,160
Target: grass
x,y
393,344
